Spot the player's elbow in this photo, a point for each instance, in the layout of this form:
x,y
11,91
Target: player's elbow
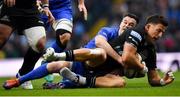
x,y
98,43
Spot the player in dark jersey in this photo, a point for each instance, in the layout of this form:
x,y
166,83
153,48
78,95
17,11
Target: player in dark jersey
x,y
132,41
22,16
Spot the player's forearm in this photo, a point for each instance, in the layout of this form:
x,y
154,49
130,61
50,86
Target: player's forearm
x,y
131,61
81,1
46,2
102,43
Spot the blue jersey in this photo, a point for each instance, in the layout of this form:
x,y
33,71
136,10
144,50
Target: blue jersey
x,y
78,67
60,9
57,4
107,32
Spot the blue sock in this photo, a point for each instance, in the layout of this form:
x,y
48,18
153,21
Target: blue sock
x,y
56,47
35,74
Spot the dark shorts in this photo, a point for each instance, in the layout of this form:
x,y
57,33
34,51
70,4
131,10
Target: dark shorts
x,y
24,19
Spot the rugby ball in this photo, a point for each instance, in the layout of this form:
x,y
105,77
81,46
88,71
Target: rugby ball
x,y
131,73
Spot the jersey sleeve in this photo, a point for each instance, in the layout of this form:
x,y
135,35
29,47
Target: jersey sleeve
x,y
107,33
134,38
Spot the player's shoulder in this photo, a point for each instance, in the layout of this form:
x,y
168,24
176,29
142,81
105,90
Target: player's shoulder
x,y
110,29
137,32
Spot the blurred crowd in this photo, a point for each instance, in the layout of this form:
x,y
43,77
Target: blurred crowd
x,y
109,13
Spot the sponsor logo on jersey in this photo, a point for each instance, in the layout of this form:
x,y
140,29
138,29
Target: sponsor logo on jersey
x,y
137,35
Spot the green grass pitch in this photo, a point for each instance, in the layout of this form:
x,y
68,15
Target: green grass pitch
x,y
134,87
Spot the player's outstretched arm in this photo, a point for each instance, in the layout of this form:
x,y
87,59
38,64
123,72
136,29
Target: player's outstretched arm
x,y
155,80
101,42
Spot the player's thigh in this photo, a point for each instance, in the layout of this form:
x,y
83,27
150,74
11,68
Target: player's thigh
x,y
36,36
5,32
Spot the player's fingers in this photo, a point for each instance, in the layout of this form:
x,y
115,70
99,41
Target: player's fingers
x,y
13,2
85,14
8,3
4,1
80,8
170,74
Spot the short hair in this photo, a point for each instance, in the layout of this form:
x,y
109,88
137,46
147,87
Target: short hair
x,y
156,19
132,16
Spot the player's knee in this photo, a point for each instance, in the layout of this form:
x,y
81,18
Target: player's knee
x,y
5,32
2,41
99,53
102,54
63,28
63,38
53,67
41,44
120,83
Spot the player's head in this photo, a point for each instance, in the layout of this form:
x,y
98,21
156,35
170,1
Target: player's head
x,y
128,21
155,26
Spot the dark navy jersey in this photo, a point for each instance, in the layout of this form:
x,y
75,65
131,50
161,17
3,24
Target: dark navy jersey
x,y
137,37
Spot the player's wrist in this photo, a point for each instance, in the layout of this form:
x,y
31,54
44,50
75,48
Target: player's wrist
x,y
162,82
145,69
45,5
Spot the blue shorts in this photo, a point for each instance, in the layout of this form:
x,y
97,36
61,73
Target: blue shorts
x,y
58,14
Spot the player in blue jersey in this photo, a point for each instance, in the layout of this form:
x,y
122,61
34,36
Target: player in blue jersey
x,y
129,20
62,11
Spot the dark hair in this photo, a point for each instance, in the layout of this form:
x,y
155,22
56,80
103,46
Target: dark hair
x,y
155,19
132,16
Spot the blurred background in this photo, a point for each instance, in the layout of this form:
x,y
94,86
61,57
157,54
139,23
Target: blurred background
x,y
109,13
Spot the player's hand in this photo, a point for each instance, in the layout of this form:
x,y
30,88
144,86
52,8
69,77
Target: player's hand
x,y
48,13
10,3
38,4
49,55
169,77
83,9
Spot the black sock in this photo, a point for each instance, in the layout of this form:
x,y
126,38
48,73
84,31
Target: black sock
x,y
69,55
90,81
30,59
